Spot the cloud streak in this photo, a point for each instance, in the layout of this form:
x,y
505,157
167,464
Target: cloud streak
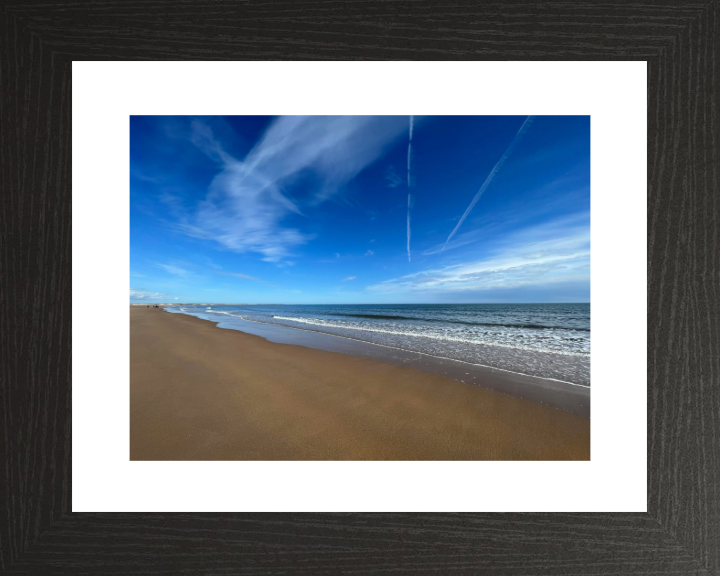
x,y
247,201
410,184
175,270
348,278
493,172
246,277
556,252
411,201
142,295
393,179
240,275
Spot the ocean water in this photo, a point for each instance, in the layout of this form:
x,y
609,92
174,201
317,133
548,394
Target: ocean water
x,y
546,340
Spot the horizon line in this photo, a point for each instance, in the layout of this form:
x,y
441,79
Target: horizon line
x,y
341,303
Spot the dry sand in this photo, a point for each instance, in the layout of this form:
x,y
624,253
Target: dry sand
x,y
198,392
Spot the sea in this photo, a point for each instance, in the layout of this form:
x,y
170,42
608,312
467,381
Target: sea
x,y
545,340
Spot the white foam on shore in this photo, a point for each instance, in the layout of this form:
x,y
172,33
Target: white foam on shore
x,y
445,338
200,314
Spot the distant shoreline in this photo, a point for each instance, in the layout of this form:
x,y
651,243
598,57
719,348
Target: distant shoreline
x,y
164,304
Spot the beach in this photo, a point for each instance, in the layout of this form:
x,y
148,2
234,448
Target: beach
x,y
198,392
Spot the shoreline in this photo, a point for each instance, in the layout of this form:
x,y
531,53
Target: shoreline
x,y
558,394
197,393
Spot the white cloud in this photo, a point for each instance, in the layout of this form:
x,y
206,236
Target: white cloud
x,y
392,178
238,275
141,295
176,270
544,255
212,264
348,278
369,253
246,203
245,276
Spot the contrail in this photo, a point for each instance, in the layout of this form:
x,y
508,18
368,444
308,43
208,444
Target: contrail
x,y
409,155
410,204
410,184
492,174
410,180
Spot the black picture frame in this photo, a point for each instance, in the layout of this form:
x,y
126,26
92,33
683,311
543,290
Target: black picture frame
x,y
680,533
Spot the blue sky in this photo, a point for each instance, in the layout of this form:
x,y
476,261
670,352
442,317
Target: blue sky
x,y
359,209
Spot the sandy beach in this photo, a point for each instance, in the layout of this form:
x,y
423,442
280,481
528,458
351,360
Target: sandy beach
x,y
202,393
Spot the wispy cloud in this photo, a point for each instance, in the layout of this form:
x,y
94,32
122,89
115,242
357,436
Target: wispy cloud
x,y
176,270
393,179
369,253
411,201
348,278
212,264
142,295
246,277
460,240
334,260
173,202
238,275
135,173
544,255
248,200
493,172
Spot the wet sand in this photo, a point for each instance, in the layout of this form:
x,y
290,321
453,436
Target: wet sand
x,y
563,395
201,393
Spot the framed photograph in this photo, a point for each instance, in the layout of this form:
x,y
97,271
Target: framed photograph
x,y
361,293
367,316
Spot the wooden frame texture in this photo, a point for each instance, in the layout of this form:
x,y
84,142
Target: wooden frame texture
x,y
680,534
